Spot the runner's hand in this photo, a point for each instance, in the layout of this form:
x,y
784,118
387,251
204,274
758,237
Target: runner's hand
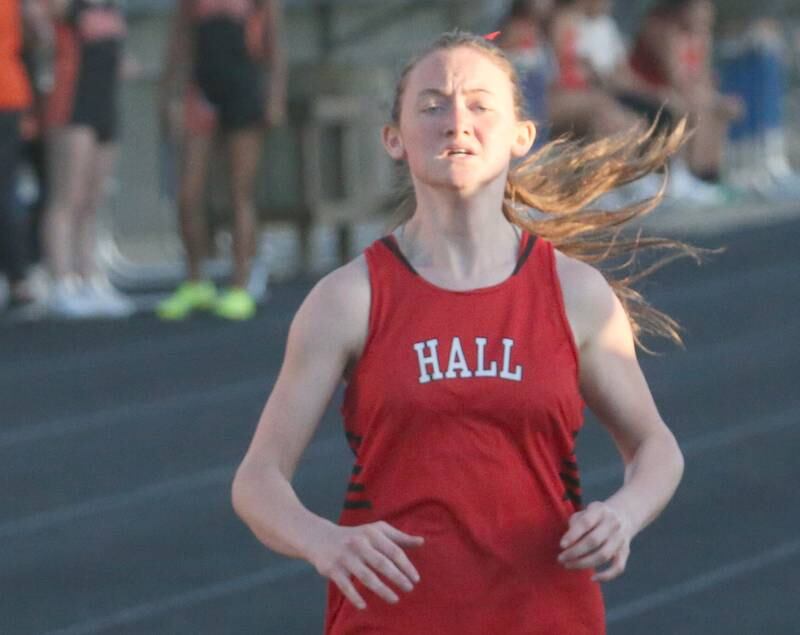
x,y
598,535
368,552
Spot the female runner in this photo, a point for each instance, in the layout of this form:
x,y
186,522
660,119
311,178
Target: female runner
x,y
469,345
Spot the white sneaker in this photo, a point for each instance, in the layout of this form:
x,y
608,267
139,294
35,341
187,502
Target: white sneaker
x,y
684,186
66,301
105,300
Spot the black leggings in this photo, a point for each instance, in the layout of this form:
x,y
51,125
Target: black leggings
x,y
12,239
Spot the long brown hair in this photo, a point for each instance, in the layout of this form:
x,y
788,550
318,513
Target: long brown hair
x,y
551,195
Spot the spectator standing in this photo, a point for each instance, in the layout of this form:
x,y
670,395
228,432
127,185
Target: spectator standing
x,y
225,70
523,37
82,128
577,104
15,99
671,60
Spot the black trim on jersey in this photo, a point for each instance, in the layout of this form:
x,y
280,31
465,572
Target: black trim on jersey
x,y
570,465
357,505
525,254
353,437
355,487
574,498
570,480
391,244
357,470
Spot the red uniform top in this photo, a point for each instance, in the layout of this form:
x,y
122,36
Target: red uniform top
x,y
571,75
15,92
691,52
462,413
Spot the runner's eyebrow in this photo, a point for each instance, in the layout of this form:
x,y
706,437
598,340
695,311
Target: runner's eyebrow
x,y
435,92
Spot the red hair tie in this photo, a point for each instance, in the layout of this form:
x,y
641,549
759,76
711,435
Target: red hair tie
x,y
492,36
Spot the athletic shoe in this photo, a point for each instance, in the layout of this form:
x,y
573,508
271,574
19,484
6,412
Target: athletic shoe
x,y
235,304
106,300
684,187
67,302
188,297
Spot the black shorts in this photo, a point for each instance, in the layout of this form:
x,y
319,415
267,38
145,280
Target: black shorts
x,y
235,91
87,95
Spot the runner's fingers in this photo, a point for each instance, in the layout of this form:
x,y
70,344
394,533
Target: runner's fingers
x,y
589,543
397,556
400,537
616,569
383,565
342,581
580,523
600,556
370,580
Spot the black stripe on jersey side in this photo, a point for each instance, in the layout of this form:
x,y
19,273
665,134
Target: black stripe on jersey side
x,y
353,438
525,254
391,244
357,505
357,470
355,487
570,465
570,480
574,498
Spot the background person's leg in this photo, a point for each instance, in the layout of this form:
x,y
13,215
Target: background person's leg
x,y
103,158
244,154
195,157
70,161
12,238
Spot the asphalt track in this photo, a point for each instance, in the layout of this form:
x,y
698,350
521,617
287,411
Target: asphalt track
x,y
118,441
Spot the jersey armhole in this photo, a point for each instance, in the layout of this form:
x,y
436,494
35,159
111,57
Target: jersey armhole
x,y
372,320
562,309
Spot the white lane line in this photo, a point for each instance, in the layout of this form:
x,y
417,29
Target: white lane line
x,y
284,570
136,410
61,515
164,489
702,582
721,436
326,447
142,409
194,597
275,573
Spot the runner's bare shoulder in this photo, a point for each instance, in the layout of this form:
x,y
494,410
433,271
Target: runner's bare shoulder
x,y
336,311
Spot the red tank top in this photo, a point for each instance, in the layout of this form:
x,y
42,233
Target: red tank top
x,y
571,75
462,413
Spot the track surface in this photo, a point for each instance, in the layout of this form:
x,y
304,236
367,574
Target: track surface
x,y
118,441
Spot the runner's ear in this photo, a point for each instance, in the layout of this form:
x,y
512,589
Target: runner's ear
x,y
393,142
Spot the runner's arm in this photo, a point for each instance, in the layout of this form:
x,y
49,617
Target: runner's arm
x,y
325,336
614,388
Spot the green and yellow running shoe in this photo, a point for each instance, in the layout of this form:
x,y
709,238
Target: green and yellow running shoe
x,y
235,304
188,297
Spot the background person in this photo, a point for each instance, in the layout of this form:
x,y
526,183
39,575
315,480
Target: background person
x,y
226,63
523,37
15,99
464,511
82,130
577,104
671,59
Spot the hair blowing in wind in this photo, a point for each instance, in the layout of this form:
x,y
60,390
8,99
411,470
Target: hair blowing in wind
x,y
552,194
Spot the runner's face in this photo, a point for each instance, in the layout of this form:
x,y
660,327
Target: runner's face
x,y
458,128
